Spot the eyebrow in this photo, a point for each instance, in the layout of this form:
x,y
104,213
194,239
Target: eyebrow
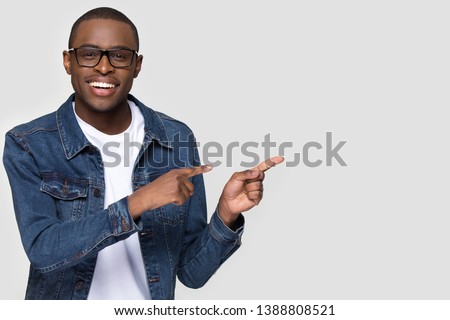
x,y
87,45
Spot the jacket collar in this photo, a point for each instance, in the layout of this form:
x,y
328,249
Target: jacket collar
x,y
73,139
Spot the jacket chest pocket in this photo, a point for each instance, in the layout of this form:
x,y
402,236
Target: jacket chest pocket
x,y
170,214
69,195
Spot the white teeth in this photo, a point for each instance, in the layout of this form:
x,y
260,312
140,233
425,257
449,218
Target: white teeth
x,y
102,85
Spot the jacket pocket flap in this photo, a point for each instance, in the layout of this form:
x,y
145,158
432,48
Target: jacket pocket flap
x,y
64,188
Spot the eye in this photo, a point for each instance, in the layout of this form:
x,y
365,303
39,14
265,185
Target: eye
x,y
88,54
120,55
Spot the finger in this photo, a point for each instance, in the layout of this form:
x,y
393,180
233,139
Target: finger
x,y
245,175
254,186
185,191
269,163
187,185
255,196
193,171
259,177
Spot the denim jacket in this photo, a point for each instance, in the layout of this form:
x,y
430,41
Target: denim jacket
x,y
57,184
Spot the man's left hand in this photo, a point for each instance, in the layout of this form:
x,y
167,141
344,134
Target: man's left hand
x,y
243,191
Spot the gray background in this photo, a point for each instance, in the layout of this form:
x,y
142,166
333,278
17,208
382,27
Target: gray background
x,y
375,73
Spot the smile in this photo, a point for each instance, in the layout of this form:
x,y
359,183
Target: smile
x,y
102,85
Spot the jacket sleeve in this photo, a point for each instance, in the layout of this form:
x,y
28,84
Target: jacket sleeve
x,y
206,246
49,242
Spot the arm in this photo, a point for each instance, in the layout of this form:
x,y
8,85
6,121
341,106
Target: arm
x,y
207,247
49,241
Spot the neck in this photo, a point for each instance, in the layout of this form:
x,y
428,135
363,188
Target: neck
x,y
110,121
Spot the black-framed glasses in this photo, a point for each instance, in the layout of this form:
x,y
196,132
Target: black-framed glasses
x,y
90,57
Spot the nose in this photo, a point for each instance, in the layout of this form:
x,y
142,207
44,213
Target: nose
x,y
104,67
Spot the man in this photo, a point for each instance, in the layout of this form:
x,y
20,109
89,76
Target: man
x,y
98,219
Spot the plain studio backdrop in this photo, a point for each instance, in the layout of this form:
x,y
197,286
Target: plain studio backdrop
x,y
372,73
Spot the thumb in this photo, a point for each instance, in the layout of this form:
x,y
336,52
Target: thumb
x,y
245,175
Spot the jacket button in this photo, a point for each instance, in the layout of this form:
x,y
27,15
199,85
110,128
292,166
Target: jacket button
x,y
97,192
79,285
91,150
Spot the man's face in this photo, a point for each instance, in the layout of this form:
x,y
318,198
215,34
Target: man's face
x,y
102,88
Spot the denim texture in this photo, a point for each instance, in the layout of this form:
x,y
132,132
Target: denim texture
x,y
57,182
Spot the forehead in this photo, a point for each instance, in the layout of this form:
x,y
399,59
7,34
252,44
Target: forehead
x,y
105,34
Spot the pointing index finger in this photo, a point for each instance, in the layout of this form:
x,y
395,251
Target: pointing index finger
x,y
269,163
193,171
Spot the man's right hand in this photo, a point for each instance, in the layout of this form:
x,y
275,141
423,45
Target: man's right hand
x,y
172,187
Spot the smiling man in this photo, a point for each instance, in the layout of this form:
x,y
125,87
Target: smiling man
x,y
127,231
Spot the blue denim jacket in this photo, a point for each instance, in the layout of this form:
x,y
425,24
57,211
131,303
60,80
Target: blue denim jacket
x,y
57,184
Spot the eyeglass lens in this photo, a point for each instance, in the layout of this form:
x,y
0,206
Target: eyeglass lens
x,y
90,57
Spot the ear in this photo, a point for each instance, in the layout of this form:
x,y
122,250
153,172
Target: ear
x,y
67,62
138,65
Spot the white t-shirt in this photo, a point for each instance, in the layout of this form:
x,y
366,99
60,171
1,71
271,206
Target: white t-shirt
x,y
119,272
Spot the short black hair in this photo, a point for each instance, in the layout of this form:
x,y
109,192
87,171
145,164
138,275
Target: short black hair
x,y
103,13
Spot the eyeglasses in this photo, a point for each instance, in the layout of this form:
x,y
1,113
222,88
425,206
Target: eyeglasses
x,y
91,57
